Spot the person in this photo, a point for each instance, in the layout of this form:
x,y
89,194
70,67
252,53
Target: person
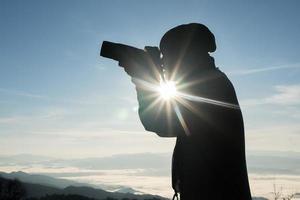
x,y
209,156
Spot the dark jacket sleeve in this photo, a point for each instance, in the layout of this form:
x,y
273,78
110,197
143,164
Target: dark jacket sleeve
x,y
156,114
159,116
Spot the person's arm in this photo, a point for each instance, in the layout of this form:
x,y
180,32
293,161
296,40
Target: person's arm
x,y
156,114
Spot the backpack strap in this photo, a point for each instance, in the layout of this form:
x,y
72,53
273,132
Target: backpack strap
x,y
175,195
176,170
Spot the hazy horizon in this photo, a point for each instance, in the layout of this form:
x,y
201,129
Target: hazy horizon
x,y
150,172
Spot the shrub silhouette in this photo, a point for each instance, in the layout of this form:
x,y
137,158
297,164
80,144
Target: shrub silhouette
x,y
11,189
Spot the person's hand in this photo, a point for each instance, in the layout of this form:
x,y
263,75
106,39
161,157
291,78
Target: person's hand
x,y
129,69
146,73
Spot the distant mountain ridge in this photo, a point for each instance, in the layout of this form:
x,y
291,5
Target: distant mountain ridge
x,y
40,190
41,179
59,182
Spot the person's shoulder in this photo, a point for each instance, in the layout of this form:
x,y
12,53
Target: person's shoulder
x,y
223,78
219,73
226,86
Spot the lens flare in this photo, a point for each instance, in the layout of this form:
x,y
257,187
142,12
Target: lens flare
x,y
168,96
167,90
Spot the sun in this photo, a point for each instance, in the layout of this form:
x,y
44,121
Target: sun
x,y
167,90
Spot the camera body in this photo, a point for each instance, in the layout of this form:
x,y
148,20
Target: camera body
x,y
138,60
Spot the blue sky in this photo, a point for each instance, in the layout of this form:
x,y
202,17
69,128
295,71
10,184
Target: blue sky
x,y
59,98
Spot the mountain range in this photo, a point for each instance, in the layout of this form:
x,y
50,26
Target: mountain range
x,y
41,185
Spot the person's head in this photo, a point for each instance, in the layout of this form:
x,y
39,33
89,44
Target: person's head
x,y
187,44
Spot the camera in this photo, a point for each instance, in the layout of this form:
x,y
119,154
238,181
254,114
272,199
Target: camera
x,y
135,58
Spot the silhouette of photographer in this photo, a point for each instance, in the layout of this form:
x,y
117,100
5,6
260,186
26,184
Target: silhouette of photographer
x,y
204,114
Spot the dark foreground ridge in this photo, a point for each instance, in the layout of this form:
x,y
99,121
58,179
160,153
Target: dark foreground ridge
x,y
13,189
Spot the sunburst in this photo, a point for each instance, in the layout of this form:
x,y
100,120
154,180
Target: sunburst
x,y
167,93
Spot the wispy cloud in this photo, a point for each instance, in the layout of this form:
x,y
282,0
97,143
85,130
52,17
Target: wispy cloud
x,y
22,93
48,114
10,120
100,67
87,100
285,95
281,136
263,69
